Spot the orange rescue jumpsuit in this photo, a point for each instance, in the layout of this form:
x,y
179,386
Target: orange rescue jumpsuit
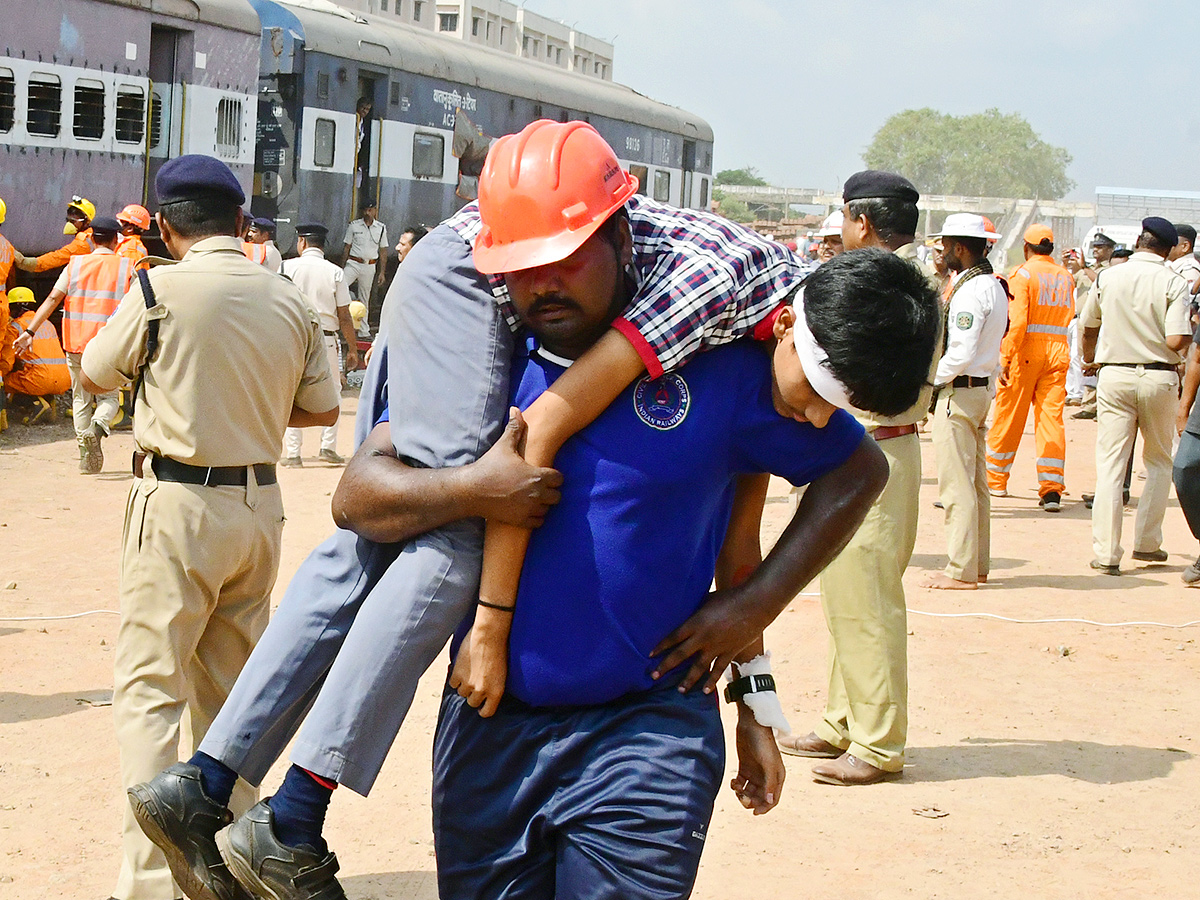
x,y
43,371
1034,358
80,244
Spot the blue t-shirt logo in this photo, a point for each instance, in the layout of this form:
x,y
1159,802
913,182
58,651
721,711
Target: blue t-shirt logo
x,y
662,403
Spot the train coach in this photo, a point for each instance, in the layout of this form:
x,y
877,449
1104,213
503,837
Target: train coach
x,y
96,94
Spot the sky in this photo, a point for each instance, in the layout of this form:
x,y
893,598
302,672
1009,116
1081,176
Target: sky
x,y
797,89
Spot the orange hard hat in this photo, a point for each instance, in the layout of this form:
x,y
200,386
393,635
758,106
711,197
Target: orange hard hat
x,y
135,215
545,191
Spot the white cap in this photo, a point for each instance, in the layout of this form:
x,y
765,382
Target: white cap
x,y
812,359
966,225
832,225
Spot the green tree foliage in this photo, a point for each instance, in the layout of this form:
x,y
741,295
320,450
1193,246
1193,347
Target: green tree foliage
x,y
744,177
987,154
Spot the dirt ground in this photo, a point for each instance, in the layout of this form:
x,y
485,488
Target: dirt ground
x,y
1047,760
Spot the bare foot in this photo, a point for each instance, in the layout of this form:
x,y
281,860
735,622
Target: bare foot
x,y
944,582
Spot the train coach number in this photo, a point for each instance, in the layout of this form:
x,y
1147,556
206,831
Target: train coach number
x,y
633,144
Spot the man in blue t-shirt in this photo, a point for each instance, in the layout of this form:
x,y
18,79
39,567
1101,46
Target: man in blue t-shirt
x,y
597,774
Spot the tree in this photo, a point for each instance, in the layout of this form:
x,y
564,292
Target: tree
x,y
746,176
987,154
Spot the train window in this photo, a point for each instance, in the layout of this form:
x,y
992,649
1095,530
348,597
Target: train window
x,y
8,99
322,85
429,155
662,186
703,204
131,115
229,127
641,173
323,142
537,110
89,110
474,26
417,4
448,22
45,104
394,97
156,119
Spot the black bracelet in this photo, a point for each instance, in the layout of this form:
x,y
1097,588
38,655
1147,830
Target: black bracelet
x,y
496,606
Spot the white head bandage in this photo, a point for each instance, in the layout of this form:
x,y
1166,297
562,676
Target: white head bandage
x,y
812,359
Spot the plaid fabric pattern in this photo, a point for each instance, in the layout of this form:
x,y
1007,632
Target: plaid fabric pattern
x,y
701,280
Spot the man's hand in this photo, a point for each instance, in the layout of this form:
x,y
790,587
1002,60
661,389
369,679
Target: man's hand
x,y
481,667
507,488
24,342
351,358
379,277
27,263
760,775
1005,374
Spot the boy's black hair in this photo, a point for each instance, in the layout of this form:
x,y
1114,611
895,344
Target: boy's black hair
x,y
878,318
201,218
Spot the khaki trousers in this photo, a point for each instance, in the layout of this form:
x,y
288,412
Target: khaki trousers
x,y
81,402
1128,401
959,433
866,710
197,568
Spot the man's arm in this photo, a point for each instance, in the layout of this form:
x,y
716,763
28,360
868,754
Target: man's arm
x,y
25,340
346,253
385,500
1187,397
346,324
1090,337
303,418
832,509
1018,321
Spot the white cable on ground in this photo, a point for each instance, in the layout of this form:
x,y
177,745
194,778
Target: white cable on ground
x,y
90,612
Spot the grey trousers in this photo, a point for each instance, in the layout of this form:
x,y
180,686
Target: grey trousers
x,y
1187,479
361,622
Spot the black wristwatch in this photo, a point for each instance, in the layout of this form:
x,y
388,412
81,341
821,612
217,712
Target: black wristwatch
x,y
748,684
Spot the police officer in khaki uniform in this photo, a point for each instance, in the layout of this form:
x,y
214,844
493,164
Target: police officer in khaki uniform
x,y
1135,323
865,726
239,357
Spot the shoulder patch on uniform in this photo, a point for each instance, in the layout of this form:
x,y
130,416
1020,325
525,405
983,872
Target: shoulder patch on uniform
x,y
964,321
662,403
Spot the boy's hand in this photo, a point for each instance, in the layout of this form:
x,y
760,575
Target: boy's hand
x,y
510,490
760,775
480,669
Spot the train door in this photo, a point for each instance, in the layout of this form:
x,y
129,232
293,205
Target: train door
x,y
689,169
164,136
369,142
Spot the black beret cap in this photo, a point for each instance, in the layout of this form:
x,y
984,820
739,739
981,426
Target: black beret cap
x,y
1103,240
1161,229
197,177
311,229
262,223
106,225
873,183
1122,253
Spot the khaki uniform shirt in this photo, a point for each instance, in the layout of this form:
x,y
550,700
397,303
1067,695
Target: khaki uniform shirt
x,y
1136,305
238,346
920,409
322,283
366,241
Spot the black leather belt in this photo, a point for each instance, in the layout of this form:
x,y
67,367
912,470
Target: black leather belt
x,y
1155,366
964,381
208,476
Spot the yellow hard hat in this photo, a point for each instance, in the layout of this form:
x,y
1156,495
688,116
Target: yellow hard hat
x,y
3,211
84,205
21,295
358,312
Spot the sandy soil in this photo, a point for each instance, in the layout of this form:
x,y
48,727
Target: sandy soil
x,y
1046,760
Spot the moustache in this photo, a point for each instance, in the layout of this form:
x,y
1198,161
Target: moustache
x,y
552,300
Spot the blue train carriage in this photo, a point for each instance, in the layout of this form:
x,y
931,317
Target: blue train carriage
x,y
96,94
313,164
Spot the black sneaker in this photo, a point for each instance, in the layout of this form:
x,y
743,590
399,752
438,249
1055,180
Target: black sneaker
x,y
1051,502
268,868
182,820
1155,556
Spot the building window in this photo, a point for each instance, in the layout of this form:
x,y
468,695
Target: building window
x,y
662,186
525,42
89,110
323,142
475,26
8,99
558,56
604,71
549,50
383,5
322,85
229,127
45,105
595,68
429,155
448,22
131,115
503,33
399,7
417,4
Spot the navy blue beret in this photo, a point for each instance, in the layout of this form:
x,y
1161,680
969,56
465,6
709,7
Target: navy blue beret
x,y
1161,229
106,225
311,229
873,183
262,224
197,177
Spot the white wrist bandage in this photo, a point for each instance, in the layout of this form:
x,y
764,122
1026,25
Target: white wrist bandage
x,y
765,705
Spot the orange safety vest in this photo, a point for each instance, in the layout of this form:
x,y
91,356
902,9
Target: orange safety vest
x,y
255,252
95,285
6,263
43,371
132,248
1042,305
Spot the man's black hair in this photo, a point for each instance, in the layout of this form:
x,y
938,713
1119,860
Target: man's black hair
x,y
1187,233
201,218
417,231
1044,247
609,230
1148,240
364,101
315,240
891,217
878,318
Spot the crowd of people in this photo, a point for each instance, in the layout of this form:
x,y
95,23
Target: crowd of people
x,y
573,403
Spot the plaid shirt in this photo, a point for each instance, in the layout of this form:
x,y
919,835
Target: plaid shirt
x,y
701,281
